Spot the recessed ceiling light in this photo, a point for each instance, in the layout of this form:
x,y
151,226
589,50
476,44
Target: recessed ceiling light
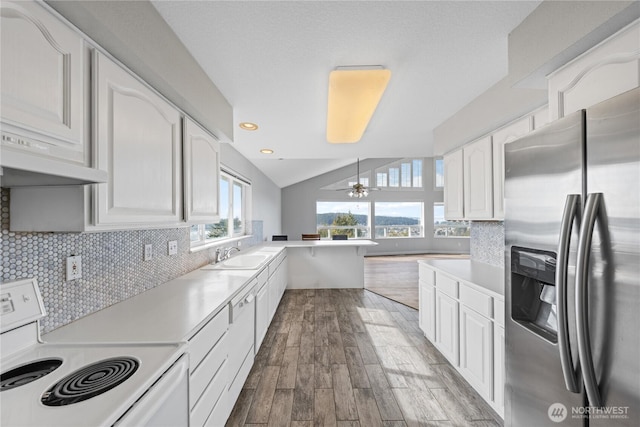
x,y
248,126
266,151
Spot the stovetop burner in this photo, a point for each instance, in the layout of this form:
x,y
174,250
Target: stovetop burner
x,y
90,381
27,373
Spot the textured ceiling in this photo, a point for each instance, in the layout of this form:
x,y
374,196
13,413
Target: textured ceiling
x,y
271,60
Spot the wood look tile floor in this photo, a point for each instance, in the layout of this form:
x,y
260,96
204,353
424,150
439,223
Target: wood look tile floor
x,y
396,277
349,357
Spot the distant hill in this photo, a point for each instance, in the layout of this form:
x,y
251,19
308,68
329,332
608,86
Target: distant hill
x,y
327,219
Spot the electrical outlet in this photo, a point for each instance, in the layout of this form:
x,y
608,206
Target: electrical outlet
x,y
148,252
74,267
173,247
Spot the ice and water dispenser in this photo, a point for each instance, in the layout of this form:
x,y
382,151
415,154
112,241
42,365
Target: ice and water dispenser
x,y
533,291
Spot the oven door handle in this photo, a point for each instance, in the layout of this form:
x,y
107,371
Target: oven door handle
x,y
156,397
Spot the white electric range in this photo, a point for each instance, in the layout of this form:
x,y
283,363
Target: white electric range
x,y
83,384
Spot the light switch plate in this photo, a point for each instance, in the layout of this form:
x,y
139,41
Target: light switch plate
x,y
148,252
74,267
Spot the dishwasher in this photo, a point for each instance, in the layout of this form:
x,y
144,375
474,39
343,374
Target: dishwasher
x,y
242,316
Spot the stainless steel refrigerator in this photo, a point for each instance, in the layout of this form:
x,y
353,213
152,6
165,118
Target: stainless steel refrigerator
x,y
572,265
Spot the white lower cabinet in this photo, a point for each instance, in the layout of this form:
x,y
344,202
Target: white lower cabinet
x,y
466,324
476,350
208,374
498,368
262,309
427,312
447,339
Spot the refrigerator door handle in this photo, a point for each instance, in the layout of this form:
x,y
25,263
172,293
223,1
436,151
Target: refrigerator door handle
x,y
571,214
594,210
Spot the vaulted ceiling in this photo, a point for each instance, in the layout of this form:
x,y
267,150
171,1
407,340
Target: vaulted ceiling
x,y
271,60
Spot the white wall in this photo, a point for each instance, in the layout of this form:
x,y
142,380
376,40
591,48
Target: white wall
x,y
299,209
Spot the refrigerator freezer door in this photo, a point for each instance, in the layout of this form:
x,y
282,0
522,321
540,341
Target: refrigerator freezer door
x,y
613,287
541,169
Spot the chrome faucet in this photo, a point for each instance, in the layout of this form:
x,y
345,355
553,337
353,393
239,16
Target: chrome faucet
x,y
229,250
225,253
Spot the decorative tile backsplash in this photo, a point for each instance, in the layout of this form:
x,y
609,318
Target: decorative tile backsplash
x,y
112,265
487,242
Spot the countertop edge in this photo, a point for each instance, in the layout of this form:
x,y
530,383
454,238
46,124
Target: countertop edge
x,y
475,275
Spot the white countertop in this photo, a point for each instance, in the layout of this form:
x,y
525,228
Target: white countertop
x,y
171,312
321,243
488,277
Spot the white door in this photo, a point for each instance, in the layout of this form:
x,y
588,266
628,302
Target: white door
x,y
476,350
201,174
447,332
453,186
478,179
139,144
42,83
500,138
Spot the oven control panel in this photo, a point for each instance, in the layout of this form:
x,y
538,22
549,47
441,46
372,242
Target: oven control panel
x,y
21,304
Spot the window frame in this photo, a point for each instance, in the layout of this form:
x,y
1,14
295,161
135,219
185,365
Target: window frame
x,y
465,223
375,226
232,235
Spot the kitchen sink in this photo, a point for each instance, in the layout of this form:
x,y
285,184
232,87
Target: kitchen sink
x,y
243,262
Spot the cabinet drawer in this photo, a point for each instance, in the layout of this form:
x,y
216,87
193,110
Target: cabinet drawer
x,y
447,285
208,369
215,391
476,300
202,342
498,311
426,274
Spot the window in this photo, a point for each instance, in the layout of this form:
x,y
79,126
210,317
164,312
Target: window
x,y
438,167
350,218
405,174
444,228
233,212
398,219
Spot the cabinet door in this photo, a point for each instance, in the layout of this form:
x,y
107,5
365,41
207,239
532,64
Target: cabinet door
x,y
453,186
427,312
476,350
447,333
201,174
607,70
262,316
139,142
500,138
42,83
478,179
498,369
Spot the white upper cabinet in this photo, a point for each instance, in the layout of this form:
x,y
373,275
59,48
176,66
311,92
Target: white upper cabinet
x,y
607,70
478,179
453,186
42,83
500,138
202,174
138,140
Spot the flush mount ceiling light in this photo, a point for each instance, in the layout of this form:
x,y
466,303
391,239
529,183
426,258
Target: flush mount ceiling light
x,y
248,126
266,151
354,93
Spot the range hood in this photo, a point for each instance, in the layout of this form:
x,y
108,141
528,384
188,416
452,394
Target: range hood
x,y
18,169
